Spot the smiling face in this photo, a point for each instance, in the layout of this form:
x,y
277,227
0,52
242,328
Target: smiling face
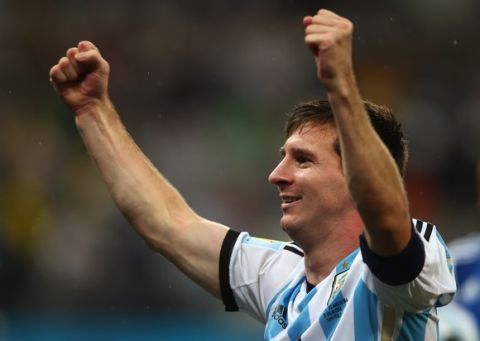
x,y
310,181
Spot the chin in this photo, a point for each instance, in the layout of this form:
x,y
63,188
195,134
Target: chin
x,y
290,226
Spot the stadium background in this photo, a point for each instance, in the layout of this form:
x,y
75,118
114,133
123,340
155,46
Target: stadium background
x,y
203,88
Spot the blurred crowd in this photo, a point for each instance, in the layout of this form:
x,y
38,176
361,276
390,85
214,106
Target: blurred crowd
x,y
203,88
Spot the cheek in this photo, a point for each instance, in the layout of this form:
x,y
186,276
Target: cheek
x,y
329,186
330,177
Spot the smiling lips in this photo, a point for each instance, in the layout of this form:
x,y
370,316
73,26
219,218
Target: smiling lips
x,y
289,200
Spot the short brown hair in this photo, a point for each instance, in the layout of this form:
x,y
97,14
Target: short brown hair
x,y
381,117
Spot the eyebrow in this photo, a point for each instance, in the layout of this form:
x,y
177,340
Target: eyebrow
x,y
298,151
301,151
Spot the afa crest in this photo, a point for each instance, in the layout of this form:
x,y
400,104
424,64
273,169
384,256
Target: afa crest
x,y
337,285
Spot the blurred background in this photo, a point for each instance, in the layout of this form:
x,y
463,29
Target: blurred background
x,y
203,87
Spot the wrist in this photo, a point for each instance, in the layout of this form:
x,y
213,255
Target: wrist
x,y
95,111
342,86
93,106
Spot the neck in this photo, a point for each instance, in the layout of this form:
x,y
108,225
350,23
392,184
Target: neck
x,y
324,253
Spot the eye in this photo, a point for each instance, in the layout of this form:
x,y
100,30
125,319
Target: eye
x,y
302,160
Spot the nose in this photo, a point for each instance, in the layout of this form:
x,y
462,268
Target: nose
x,y
281,175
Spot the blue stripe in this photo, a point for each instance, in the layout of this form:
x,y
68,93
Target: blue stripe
x,y
414,326
365,318
302,322
263,243
332,315
307,299
298,327
276,323
269,307
346,262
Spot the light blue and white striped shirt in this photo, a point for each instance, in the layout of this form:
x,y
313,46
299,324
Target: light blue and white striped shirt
x,y
267,279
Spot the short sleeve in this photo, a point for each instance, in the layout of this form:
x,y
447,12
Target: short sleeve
x,y
253,270
434,285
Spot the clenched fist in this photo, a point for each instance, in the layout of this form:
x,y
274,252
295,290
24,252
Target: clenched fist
x,y
81,77
329,37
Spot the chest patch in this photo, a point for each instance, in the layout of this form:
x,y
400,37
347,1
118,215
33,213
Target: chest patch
x,y
337,285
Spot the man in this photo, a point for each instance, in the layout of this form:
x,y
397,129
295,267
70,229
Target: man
x,y
337,180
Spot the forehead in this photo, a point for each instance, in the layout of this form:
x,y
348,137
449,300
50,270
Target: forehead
x,y
312,135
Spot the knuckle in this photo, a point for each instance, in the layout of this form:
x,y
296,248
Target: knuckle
x,y
56,71
326,43
348,25
105,65
341,34
71,50
56,75
63,62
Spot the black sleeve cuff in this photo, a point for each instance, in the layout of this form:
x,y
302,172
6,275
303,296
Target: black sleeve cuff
x,y
400,268
224,270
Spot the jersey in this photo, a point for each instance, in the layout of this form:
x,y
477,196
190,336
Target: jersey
x,y
361,299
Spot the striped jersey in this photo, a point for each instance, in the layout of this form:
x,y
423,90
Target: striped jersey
x,y
365,297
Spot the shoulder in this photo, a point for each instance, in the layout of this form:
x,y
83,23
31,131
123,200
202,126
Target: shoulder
x,y
244,242
253,269
423,228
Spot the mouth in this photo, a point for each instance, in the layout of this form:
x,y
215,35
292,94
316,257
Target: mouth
x,y
289,201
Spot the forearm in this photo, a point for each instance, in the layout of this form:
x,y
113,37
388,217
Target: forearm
x,y
143,195
373,178
154,207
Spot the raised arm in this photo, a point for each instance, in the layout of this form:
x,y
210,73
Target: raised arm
x,y
151,204
371,173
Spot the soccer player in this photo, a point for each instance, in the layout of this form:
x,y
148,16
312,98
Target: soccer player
x,y
359,268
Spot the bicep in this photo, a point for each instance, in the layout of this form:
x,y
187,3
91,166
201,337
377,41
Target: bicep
x,y
433,284
388,237
195,249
